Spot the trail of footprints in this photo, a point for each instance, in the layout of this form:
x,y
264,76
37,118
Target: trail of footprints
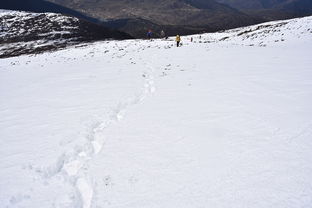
x,y
73,167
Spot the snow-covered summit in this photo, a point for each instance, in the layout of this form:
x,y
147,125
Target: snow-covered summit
x,y
297,30
4,11
269,33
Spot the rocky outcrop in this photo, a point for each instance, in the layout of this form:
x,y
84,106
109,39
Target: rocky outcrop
x,y
25,33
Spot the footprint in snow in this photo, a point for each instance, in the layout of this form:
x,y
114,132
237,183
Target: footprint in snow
x,y
19,198
107,181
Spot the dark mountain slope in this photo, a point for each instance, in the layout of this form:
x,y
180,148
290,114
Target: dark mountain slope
x,y
272,9
182,15
300,7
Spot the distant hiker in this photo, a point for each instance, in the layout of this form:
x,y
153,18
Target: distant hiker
x,y
162,34
149,34
178,40
191,39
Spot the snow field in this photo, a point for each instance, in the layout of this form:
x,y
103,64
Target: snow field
x,y
145,124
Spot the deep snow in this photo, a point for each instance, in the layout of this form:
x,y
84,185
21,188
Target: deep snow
x,y
222,122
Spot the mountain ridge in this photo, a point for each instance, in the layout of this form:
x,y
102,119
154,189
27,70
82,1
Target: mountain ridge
x,y
200,15
272,9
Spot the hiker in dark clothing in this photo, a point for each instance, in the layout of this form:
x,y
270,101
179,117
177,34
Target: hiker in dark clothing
x,y
162,34
149,34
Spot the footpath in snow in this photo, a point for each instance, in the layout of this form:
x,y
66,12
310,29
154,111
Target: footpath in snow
x,y
223,121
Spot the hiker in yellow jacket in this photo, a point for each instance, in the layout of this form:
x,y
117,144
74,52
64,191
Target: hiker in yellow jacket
x,y
178,39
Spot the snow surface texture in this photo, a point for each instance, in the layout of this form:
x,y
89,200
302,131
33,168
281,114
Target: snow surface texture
x,y
223,121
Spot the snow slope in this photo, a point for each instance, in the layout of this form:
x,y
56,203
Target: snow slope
x,y
223,121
